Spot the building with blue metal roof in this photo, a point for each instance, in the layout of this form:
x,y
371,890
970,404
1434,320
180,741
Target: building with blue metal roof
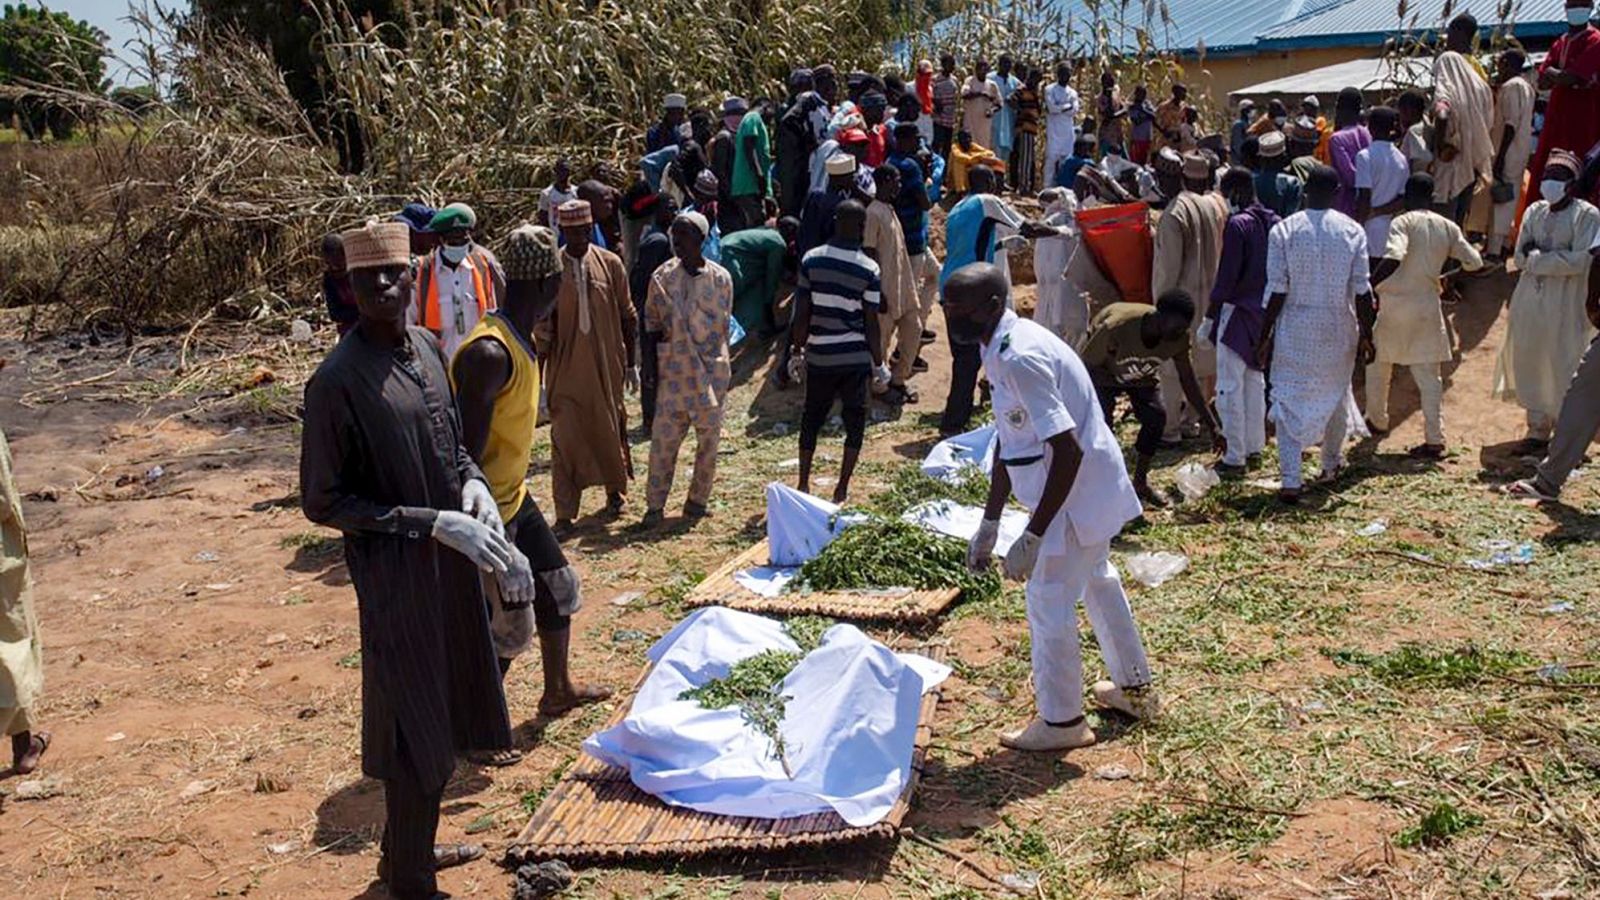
x,y
1228,45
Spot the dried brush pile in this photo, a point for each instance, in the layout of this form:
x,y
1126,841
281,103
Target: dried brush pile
x,y
217,200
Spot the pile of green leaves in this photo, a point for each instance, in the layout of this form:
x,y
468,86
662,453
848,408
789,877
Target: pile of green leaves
x,y
889,553
754,684
910,487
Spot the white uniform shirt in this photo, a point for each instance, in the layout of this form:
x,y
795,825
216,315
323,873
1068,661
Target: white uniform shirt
x,y
458,305
1041,390
1061,124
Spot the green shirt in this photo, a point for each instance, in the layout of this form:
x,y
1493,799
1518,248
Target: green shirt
x,y
745,168
1114,350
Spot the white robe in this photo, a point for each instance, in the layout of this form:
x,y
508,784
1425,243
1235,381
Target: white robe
x,y
1318,258
1547,331
1063,307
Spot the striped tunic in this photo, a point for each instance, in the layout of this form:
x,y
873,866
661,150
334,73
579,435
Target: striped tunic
x,y
843,285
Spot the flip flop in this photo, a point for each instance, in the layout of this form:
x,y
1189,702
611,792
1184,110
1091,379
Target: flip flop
x,y
1528,489
496,759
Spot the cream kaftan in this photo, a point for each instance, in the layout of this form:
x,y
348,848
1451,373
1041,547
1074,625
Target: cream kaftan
x,y
1411,327
1547,331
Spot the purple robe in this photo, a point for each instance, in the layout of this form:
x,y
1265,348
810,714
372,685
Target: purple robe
x,y
1242,280
1342,149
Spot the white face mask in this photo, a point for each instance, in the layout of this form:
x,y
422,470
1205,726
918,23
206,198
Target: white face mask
x,y
1280,119
1553,190
1234,208
453,254
1577,17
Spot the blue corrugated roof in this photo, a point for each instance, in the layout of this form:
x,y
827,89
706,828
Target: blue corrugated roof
x,y
1234,26
1220,25
1362,22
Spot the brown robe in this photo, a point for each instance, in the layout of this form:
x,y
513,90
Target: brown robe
x,y
584,371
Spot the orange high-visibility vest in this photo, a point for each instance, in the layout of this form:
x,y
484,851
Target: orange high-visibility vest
x,y
428,288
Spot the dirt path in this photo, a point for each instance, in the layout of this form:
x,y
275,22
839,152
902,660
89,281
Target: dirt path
x,y
203,681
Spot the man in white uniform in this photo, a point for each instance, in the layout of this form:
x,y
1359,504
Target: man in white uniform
x,y
1062,462
1061,121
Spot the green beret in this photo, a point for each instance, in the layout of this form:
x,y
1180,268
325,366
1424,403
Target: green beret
x,y
453,217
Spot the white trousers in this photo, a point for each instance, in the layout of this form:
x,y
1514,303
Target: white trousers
x,y
925,275
1059,581
1289,451
1242,405
1052,159
1429,386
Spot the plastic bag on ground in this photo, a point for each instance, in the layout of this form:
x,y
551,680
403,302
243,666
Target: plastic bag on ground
x,y
1195,481
952,456
800,525
1154,569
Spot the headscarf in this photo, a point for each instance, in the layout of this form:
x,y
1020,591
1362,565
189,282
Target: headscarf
x,y
925,86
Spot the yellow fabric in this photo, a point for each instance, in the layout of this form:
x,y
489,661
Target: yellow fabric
x,y
21,663
962,161
516,413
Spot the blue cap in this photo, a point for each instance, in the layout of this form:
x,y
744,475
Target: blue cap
x,y
416,216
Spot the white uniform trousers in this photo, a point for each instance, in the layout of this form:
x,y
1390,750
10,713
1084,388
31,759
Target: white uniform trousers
x,y
1242,406
1060,579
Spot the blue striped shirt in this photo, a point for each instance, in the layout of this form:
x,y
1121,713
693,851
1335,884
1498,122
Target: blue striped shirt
x,y
842,283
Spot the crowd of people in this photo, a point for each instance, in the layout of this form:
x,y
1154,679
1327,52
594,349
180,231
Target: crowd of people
x,y
1283,254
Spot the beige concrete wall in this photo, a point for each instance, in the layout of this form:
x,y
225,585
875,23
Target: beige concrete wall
x,y
1221,75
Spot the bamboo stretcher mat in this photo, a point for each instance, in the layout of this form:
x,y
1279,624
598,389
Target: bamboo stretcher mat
x,y
595,814
894,605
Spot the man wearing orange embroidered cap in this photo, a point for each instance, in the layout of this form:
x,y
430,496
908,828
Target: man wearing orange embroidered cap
x,y
457,282
381,460
588,344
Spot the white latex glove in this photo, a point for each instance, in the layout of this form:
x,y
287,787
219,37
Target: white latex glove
x,y
630,380
1023,554
880,376
797,366
1205,336
516,582
478,502
487,548
980,550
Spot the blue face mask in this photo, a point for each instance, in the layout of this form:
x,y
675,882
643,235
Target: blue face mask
x,y
453,254
1577,17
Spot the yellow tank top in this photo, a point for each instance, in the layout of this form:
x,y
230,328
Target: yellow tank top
x,y
516,413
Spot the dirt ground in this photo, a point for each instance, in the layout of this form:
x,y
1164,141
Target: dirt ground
x,y
203,676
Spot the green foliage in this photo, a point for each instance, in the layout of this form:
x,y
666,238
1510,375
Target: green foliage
x,y
910,487
1438,826
753,685
888,553
55,52
807,631
1413,663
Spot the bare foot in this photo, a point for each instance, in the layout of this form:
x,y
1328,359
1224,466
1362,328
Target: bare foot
x,y
27,761
554,705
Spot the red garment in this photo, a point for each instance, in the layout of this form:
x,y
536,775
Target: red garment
x,y
1572,119
877,145
925,92
1139,152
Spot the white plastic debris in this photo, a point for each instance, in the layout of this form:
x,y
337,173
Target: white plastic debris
x,y
1503,553
1552,672
196,788
1560,606
1195,481
207,556
300,331
1155,569
117,736
38,789
154,473
1023,882
626,598
283,849
1113,772
1373,528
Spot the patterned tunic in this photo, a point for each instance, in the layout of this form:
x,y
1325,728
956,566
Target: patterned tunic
x,y
1318,258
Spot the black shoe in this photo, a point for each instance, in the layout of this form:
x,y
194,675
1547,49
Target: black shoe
x,y
1230,473
918,366
929,336
693,510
